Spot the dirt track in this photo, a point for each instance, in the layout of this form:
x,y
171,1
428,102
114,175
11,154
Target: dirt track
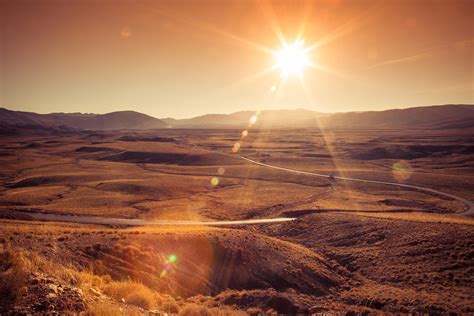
x,y
141,222
469,204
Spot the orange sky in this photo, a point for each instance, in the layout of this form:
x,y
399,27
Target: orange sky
x,y
186,58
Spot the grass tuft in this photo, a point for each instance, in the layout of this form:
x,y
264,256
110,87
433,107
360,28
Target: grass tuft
x,y
132,293
13,278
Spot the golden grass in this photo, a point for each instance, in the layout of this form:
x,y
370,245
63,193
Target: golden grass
x,y
127,292
131,293
104,309
194,310
421,217
13,277
54,228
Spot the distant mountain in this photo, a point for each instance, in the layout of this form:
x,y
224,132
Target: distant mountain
x,y
264,119
427,117
109,121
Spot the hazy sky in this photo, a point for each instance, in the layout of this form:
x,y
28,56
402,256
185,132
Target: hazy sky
x,y
186,58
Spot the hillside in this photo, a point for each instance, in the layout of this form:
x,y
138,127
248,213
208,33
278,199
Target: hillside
x,y
265,119
109,121
427,117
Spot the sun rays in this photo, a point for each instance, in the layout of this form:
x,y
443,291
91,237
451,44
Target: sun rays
x,y
292,58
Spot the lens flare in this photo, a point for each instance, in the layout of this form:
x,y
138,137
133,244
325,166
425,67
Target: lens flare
x,y
221,171
245,133
236,147
169,263
215,181
402,170
253,119
172,258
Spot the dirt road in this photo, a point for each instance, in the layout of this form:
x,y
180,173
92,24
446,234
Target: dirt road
x,y
470,205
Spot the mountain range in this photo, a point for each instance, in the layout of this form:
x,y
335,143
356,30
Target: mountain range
x,y
109,121
263,119
427,117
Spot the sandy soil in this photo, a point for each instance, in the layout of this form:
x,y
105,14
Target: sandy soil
x,y
354,246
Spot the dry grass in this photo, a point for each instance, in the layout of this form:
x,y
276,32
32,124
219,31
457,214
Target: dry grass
x,y
408,255
198,310
422,217
170,306
104,309
43,179
13,277
131,293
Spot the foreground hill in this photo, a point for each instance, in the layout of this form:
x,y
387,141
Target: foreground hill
x,y
427,117
109,121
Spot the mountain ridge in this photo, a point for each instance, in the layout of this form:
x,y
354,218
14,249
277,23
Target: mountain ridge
x,y
109,121
431,116
423,117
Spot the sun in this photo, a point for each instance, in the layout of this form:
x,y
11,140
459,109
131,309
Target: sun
x,y
292,58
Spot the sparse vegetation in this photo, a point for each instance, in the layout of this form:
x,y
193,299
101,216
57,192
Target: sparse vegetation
x,y
105,309
131,293
199,310
352,249
13,277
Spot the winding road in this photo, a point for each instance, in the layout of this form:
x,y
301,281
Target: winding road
x,y
469,204
142,222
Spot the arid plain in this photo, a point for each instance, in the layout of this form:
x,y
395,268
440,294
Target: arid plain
x,y
352,246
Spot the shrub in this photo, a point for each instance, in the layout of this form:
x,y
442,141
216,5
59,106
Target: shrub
x,y
133,293
13,277
170,306
198,310
143,299
104,309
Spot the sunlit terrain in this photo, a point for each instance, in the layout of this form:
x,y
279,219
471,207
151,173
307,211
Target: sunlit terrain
x,y
258,157
352,246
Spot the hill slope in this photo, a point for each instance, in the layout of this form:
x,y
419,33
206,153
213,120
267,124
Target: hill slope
x,y
109,121
265,119
427,117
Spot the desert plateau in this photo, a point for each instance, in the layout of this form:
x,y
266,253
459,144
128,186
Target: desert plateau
x,y
349,246
237,157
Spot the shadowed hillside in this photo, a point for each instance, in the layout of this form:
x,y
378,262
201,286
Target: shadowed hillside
x,y
109,121
265,119
428,117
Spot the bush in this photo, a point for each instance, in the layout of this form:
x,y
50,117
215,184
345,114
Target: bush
x,y
133,293
142,299
104,309
170,306
198,310
13,277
